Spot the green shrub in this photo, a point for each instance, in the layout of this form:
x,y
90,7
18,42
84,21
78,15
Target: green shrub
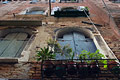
x,y
96,55
45,54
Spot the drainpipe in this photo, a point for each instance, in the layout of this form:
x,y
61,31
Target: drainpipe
x,y
49,7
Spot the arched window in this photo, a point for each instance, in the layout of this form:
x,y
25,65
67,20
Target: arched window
x,y
77,40
13,41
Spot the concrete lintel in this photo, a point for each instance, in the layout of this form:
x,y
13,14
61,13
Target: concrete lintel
x,y
20,23
8,60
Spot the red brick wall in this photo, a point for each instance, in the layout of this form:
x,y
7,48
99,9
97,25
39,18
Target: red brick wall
x,y
35,70
100,15
23,70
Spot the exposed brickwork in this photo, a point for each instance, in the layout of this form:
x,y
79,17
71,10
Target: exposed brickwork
x,y
102,17
24,70
35,70
109,30
14,71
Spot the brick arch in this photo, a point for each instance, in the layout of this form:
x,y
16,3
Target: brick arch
x,y
60,32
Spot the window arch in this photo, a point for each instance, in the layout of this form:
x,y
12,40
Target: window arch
x,y
14,40
78,39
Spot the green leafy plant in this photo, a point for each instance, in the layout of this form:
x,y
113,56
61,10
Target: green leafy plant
x,y
45,54
96,55
67,51
64,51
86,8
50,42
54,44
72,54
84,54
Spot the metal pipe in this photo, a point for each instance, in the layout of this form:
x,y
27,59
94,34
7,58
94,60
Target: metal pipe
x,y
49,7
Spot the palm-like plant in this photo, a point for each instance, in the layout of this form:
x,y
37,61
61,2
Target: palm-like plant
x,y
45,54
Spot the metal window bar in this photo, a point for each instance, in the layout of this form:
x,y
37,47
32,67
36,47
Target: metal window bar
x,y
93,71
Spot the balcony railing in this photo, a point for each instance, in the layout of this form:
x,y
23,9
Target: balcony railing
x,y
100,69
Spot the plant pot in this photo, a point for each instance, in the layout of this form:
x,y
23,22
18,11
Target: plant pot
x,y
60,69
48,68
82,69
71,68
94,69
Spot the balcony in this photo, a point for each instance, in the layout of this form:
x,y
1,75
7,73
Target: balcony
x,y
80,69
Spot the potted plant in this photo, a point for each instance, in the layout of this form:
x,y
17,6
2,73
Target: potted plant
x,y
71,65
67,52
93,64
86,8
94,67
45,55
82,66
60,69
61,65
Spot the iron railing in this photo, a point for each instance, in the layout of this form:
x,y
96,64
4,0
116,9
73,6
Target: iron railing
x,y
80,69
